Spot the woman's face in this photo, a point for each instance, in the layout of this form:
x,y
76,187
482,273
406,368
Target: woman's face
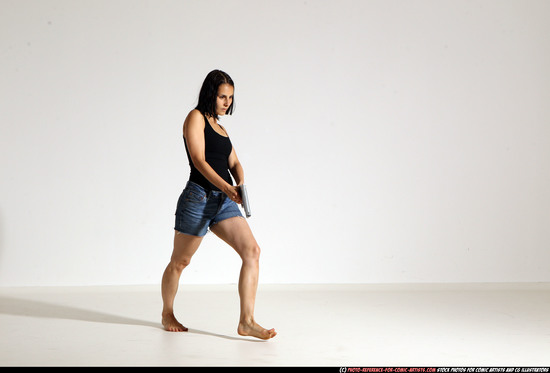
x,y
224,99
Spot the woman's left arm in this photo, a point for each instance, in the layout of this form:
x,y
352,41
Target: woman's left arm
x,y
235,167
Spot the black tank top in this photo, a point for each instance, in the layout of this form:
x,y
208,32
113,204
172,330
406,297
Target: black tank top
x,y
217,149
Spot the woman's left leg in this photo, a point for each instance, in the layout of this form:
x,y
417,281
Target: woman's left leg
x,y
236,232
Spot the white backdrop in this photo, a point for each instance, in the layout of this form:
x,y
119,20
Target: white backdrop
x,y
382,141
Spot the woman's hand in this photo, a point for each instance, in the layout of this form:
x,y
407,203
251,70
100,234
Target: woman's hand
x,y
233,193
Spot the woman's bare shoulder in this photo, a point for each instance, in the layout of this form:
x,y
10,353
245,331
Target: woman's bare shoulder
x,y
194,115
194,118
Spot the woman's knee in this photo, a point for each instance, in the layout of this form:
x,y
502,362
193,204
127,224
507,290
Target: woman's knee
x,y
251,253
179,264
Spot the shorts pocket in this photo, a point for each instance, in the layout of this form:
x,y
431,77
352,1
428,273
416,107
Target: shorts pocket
x,y
196,196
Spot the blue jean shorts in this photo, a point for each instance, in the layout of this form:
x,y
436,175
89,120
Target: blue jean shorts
x,y
199,209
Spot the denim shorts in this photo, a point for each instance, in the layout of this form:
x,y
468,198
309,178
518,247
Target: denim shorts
x,y
199,209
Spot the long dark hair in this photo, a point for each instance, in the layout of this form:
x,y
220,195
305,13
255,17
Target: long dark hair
x,y
209,92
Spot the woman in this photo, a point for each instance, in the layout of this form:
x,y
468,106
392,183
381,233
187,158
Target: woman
x,y
209,201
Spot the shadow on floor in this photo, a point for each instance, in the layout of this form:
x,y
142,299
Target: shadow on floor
x,y
32,308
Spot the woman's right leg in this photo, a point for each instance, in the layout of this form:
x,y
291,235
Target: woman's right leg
x,y
184,247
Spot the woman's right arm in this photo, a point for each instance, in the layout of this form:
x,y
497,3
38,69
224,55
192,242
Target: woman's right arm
x,y
193,131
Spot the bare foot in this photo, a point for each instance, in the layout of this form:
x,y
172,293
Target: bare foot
x,y
254,330
171,324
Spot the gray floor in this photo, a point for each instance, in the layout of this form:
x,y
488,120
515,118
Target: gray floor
x,y
318,325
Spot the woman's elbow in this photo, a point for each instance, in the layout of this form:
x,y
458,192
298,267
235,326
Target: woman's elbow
x,y
198,162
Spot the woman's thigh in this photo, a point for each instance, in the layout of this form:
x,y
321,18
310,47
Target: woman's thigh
x,y
185,246
237,233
